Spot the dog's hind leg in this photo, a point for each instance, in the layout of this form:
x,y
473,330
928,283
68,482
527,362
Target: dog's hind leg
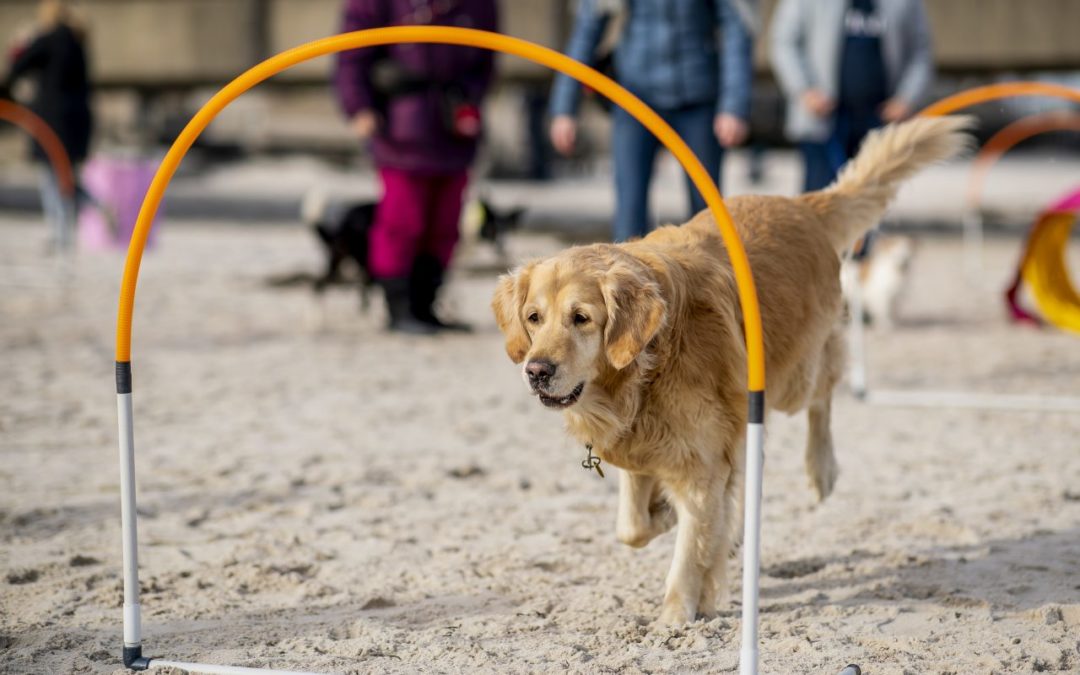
x,y
643,512
821,466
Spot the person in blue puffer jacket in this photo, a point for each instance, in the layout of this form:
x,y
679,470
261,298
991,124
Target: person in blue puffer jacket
x,y
690,60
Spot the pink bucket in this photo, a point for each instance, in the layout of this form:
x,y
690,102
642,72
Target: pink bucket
x,y
119,184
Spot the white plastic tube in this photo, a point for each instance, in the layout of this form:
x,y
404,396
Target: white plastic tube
x,y
132,619
856,337
220,670
755,459
971,400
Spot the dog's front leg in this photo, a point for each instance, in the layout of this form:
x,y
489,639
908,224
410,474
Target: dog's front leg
x,y
695,551
644,513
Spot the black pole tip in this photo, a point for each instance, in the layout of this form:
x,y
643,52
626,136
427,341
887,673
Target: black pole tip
x,y
123,377
134,660
757,408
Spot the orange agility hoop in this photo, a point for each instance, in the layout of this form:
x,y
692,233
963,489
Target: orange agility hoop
x,y
470,38
41,132
755,350
994,92
1010,136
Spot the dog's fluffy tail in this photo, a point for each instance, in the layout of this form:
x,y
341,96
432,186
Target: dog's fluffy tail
x,y
857,200
314,205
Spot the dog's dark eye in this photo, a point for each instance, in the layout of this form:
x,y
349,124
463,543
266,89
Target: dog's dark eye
x,y
534,317
580,319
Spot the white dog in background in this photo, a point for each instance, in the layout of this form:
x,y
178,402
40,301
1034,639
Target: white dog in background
x,y
882,279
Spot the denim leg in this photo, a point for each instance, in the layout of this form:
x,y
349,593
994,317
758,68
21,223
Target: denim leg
x,y
633,150
819,166
53,206
695,125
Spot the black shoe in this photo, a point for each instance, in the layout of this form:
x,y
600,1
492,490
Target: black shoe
x,y
424,284
401,319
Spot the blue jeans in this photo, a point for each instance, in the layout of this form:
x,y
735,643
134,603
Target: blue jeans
x,y
634,152
59,211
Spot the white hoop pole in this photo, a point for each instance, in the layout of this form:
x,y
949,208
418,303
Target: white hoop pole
x,y
213,669
971,400
856,332
973,243
132,624
755,459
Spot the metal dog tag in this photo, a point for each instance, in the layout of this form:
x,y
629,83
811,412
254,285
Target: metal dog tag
x,y
591,461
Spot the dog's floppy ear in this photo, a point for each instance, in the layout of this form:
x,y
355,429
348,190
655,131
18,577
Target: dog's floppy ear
x,y
507,303
635,312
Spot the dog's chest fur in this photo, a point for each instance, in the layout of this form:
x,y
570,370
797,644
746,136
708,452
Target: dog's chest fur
x,y
680,403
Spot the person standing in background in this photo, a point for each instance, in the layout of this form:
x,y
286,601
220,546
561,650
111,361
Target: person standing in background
x,y
419,106
55,60
846,67
691,61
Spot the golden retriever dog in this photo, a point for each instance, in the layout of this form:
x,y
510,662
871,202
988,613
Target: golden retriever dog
x,y
641,346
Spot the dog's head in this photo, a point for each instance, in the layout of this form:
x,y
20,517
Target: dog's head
x,y
572,318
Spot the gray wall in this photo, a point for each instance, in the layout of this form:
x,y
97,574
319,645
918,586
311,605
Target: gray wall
x,y
169,42
165,42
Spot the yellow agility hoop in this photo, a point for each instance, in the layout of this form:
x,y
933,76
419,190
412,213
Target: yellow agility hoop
x,y
755,350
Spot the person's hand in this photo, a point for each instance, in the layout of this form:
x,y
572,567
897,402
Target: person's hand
x,y
363,124
895,110
730,130
564,134
818,102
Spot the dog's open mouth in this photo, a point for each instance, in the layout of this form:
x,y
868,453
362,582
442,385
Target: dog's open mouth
x,y
564,402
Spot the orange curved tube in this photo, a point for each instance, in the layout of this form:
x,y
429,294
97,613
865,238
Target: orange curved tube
x,y
993,92
755,349
1010,136
41,132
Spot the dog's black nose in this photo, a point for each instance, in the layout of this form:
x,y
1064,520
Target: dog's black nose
x,y
539,372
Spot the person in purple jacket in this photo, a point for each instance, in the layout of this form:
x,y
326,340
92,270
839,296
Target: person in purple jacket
x,y
418,104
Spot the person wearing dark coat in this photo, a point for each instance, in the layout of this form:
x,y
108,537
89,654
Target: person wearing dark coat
x,y
55,59
419,105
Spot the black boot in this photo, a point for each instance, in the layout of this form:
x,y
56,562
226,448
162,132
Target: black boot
x,y
401,318
425,281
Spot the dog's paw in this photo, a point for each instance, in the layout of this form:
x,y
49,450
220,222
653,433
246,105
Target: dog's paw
x,y
706,611
675,612
823,474
634,537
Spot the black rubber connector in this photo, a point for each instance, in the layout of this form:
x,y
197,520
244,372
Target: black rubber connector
x,y
134,660
757,407
123,377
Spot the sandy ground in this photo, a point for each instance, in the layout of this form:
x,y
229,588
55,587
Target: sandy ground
x,y
315,494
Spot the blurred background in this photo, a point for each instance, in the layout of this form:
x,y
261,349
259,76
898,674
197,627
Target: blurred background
x,y
154,62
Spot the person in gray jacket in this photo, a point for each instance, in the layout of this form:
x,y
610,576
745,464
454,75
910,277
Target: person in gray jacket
x,y
847,66
688,59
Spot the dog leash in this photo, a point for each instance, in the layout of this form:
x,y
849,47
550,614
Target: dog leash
x,y
591,461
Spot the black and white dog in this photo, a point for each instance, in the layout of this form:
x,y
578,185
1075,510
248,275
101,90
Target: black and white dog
x,y
344,234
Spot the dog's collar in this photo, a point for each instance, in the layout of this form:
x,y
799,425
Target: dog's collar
x,y
591,461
